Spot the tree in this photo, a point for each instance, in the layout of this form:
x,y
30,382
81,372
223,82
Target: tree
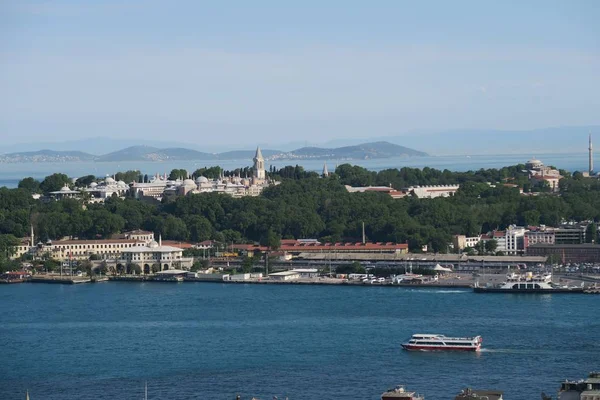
x,y
491,246
591,234
85,181
178,174
54,182
247,264
128,176
87,267
29,184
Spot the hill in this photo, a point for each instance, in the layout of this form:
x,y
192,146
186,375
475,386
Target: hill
x,y
46,156
148,153
361,151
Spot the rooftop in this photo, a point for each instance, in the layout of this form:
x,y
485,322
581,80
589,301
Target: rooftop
x,y
284,273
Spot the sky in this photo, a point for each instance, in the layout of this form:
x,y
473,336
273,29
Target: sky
x,y
235,73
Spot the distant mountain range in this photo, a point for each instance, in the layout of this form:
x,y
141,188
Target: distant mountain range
x,y
149,153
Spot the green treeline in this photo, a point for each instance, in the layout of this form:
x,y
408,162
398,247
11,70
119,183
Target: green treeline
x,y
306,206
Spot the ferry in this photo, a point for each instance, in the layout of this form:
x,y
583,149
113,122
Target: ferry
x,y
527,283
435,342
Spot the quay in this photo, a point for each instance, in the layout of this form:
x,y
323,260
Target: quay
x,y
64,280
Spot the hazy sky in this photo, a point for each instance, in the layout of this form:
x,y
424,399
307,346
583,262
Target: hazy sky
x,y
272,71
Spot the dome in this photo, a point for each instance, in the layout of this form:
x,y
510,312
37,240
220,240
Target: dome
x,y
93,184
189,182
534,163
153,244
202,179
121,183
65,189
109,180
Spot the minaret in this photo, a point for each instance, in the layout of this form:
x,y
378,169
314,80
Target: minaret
x,y
259,165
325,171
32,237
591,157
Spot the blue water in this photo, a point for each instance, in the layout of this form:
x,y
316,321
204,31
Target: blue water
x,y
10,174
213,341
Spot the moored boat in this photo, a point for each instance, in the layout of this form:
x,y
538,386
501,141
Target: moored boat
x,y
527,283
436,342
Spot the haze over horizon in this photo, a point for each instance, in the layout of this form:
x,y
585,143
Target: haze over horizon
x,y
243,73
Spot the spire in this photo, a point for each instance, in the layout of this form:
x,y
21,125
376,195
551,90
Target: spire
x,y
591,157
258,155
325,171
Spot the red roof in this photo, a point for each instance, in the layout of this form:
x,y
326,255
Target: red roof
x,y
99,241
175,243
296,246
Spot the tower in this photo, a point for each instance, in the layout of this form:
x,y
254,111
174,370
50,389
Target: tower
x,y
591,157
259,166
325,171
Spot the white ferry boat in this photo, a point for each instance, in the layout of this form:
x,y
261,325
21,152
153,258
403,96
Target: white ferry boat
x,y
435,342
527,283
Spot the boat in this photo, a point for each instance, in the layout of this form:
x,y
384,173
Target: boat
x,y
527,283
436,342
399,393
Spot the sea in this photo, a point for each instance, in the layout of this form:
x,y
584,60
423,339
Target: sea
x,y
216,341
12,173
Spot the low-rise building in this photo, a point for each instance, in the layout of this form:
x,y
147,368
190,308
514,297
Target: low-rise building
x,y
461,242
307,273
432,191
284,276
65,193
155,257
567,253
295,247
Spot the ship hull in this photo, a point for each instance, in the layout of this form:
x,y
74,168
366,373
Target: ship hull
x,y
529,291
411,347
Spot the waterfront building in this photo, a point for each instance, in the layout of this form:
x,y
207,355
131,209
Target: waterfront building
x,y
154,256
284,276
75,249
296,247
64,250
307,272
567,253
